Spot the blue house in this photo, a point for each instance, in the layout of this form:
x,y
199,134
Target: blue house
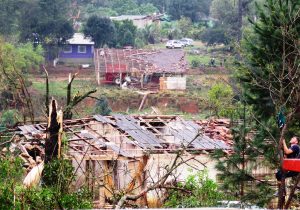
x,y
78,50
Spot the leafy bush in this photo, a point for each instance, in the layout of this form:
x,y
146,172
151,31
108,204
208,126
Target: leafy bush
x,y
8,118
56,195
11,174
220,97
102,107
195,63
59,174
197,191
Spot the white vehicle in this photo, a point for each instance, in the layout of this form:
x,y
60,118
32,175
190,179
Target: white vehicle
x,y
187,41
174,44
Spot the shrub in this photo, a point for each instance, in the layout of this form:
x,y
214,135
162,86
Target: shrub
x,y
197,191
195,63
220,97
8,118
56,195
102,107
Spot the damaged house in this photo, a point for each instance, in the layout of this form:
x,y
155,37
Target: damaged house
x,y
126,154
141,68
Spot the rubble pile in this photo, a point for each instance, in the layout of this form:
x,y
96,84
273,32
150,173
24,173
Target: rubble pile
x,y
32,153
217,129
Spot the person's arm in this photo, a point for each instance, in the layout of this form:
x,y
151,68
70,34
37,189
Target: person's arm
x,y
286,150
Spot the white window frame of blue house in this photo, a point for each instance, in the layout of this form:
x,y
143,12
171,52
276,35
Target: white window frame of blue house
x,y
81,51
69,48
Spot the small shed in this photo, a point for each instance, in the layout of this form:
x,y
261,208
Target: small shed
x,y
78,50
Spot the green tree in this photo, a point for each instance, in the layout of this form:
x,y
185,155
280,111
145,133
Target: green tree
x,y
162,5
9,118
231,16
15,62
171,30
102,107
216,35
11,173
193,9
9,15
128,39
220,98
91,10
126,33
146,9
48,22
270,74
185,25
125,7
151,33
235,170
48,19
101,29
226,12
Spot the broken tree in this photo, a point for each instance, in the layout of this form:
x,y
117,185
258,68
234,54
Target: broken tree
x,y
53,140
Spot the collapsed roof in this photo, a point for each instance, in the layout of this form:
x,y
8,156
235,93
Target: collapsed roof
x,y
123,136
140,61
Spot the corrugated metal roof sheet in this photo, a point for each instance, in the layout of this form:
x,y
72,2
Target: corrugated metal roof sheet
x,y
103,119
187,132
145,138
102,143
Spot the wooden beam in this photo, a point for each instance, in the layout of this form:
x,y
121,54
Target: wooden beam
x,y
96,157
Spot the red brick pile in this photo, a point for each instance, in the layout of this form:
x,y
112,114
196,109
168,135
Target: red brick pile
x,y
217,129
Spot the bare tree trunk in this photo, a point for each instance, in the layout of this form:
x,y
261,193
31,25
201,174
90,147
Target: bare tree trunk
x,y
47,91
52,143
68,113
71,103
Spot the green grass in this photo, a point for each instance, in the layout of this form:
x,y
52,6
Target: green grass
x,y
202,59
170,111
59,88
